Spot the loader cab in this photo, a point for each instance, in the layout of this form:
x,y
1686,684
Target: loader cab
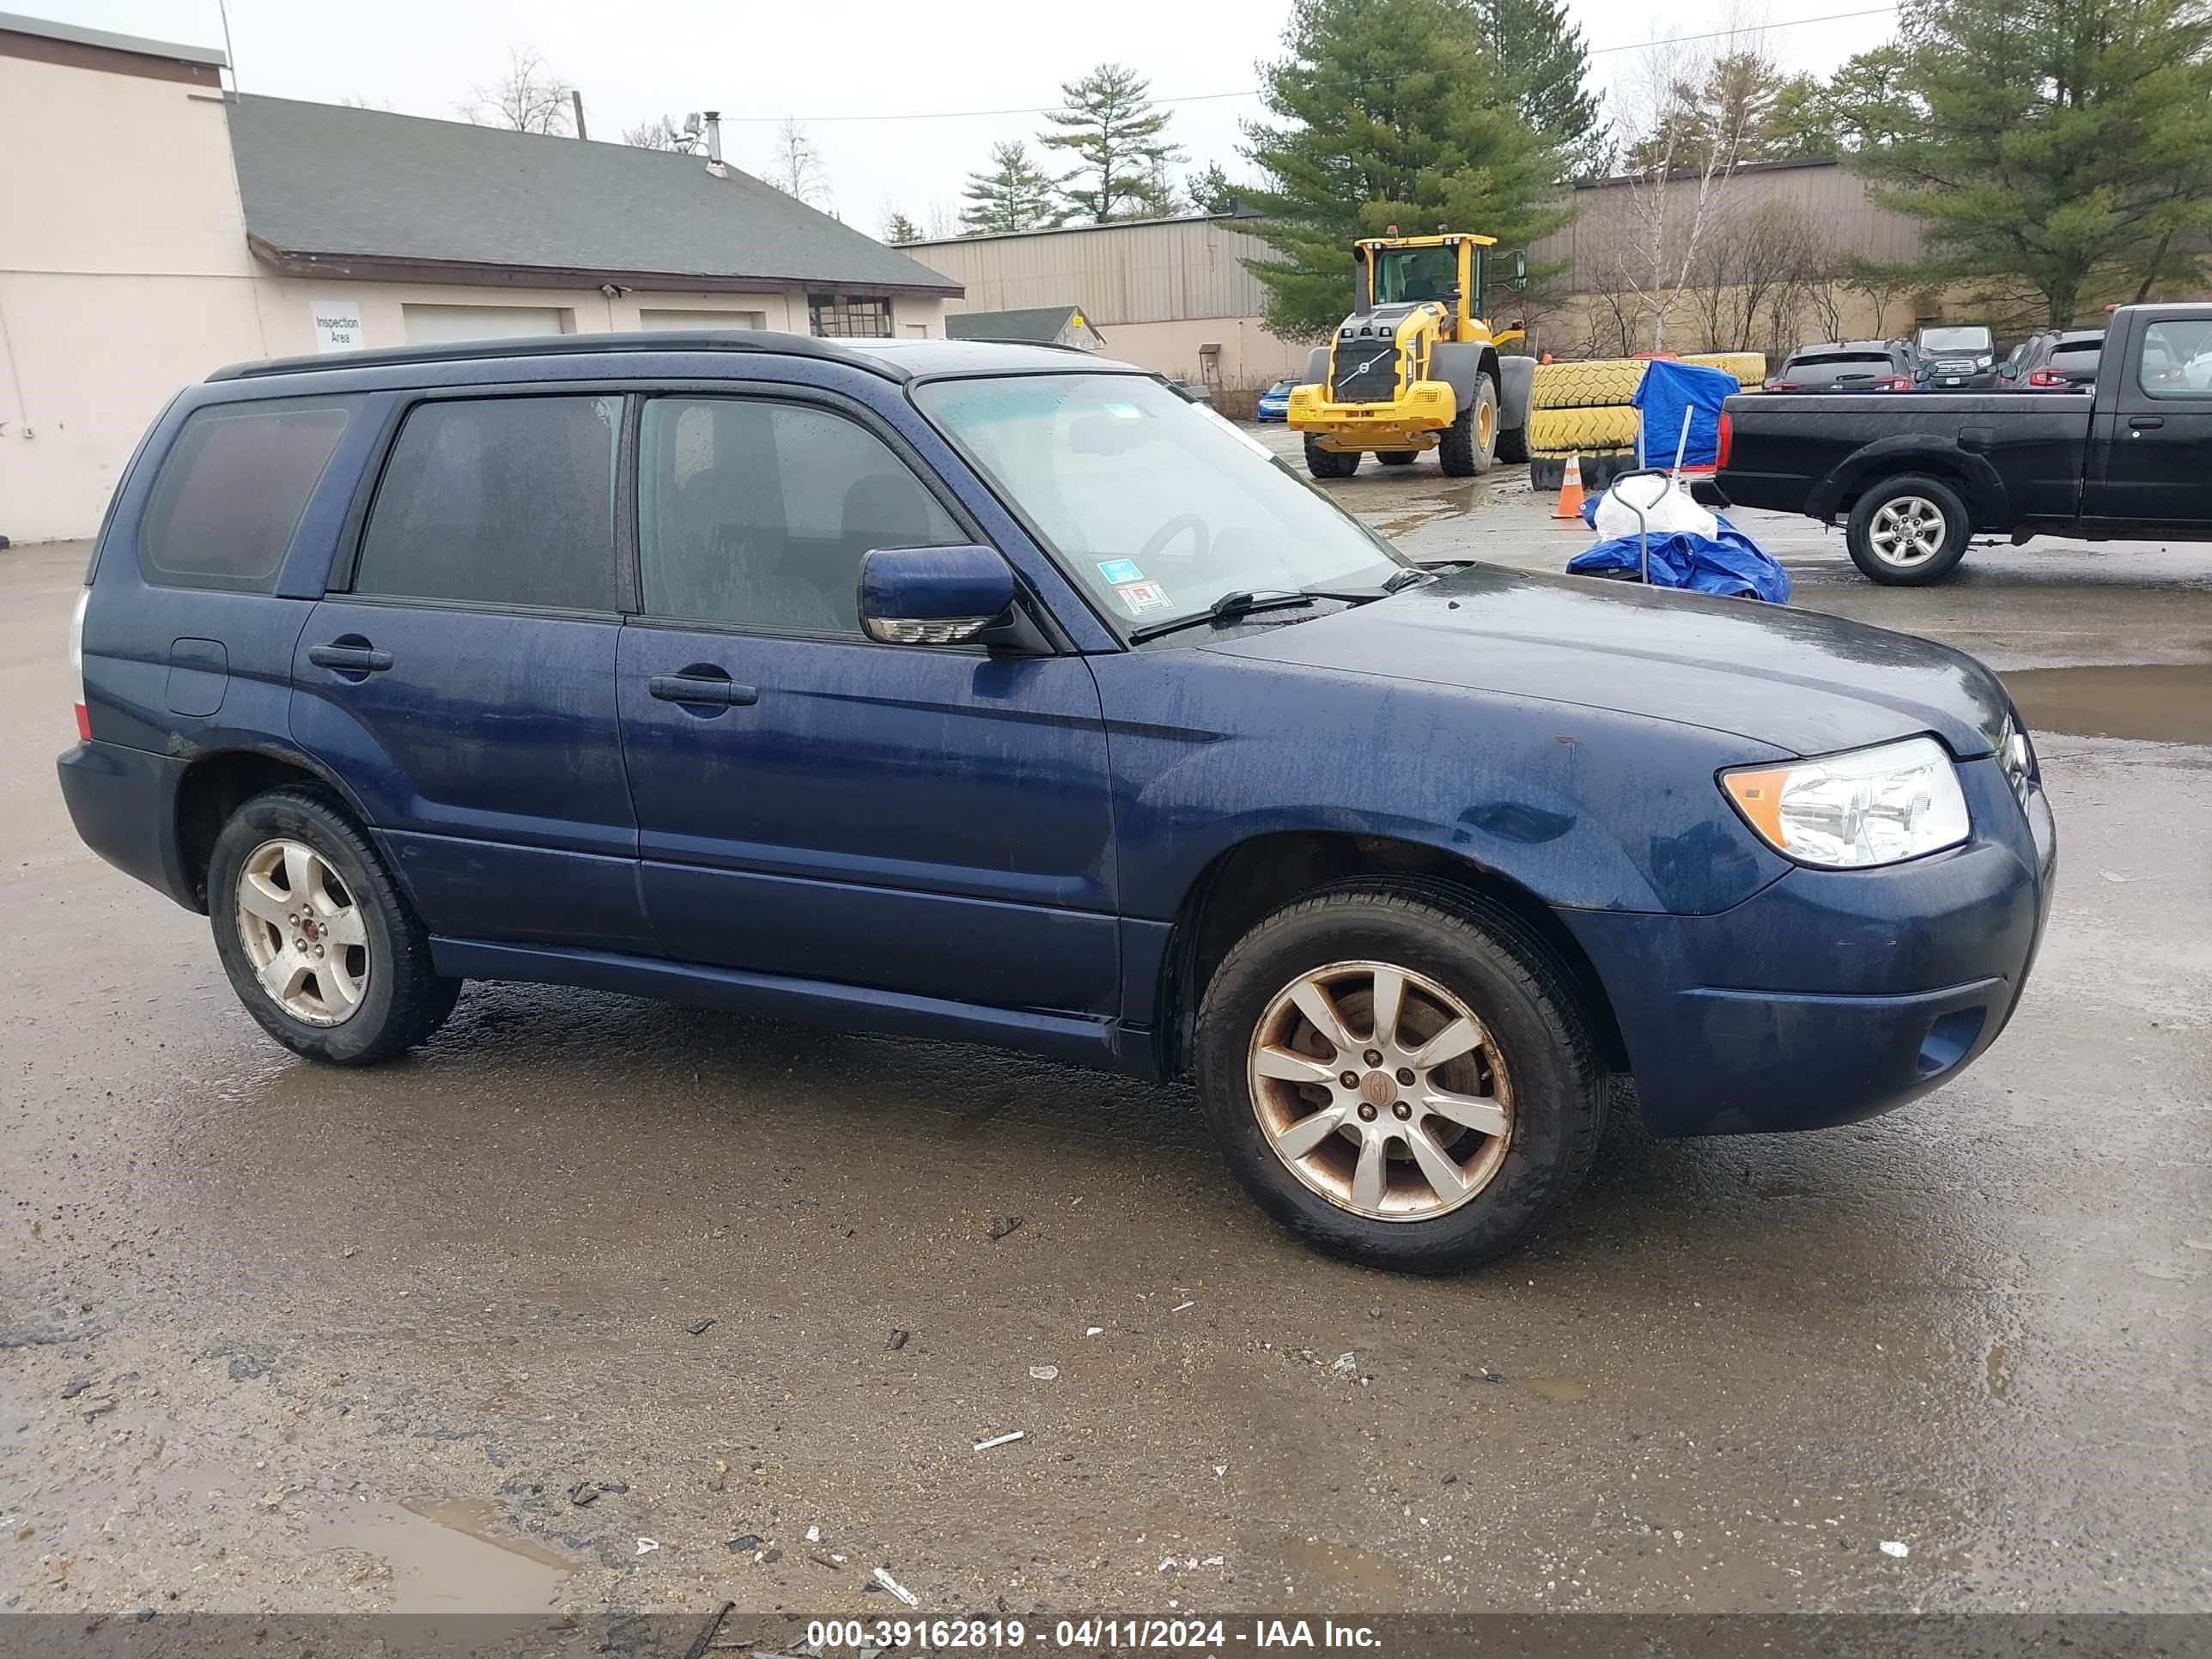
x,y
1447,270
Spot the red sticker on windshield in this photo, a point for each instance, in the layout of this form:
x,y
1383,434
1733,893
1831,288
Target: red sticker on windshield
x,y
1141,597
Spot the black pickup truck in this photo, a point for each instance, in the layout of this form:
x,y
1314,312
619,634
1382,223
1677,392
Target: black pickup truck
x,y
1914,475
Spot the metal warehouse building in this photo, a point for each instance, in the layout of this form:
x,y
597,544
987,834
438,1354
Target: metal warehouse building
x,y
1169,295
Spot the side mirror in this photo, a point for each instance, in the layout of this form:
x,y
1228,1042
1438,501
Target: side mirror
x,y
1519,265
934,595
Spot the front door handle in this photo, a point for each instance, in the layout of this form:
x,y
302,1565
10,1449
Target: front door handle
x,y
704,685
350,655
2145,422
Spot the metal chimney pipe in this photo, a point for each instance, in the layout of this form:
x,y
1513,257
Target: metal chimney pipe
x,y
714,119
576,103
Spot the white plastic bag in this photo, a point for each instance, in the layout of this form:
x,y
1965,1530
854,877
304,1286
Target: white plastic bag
x,y
1668,509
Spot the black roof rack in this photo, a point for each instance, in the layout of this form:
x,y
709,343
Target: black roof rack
x,y
766,342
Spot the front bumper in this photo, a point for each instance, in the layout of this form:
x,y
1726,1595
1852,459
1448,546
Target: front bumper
x,y
123,804
1412,421
1831,995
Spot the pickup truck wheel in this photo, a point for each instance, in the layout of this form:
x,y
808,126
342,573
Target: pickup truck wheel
x,y
1396,1072
1908,531
1468,447
319,943
1330,463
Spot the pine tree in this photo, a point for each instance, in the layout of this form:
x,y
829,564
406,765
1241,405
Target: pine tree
x,y
1210,192
898,230
1540,49
1014,194
1389,112
2063,146
1112,130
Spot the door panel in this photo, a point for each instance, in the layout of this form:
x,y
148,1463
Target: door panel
x,y
2154,435
488,754
917,820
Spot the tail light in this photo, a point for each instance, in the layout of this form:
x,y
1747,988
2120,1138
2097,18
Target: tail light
x,y
1900,383
2045,377
1727,436
1782,385
76,665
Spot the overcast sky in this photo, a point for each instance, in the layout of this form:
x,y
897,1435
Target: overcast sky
x,y
845,67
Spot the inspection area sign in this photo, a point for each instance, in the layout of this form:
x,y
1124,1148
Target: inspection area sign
x,y
338,325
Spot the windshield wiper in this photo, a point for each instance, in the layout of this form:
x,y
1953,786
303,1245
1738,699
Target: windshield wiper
x,y
1405,578
1238,602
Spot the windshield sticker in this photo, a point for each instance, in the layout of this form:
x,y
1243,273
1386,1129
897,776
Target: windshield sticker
x,y
1120,570
1141,597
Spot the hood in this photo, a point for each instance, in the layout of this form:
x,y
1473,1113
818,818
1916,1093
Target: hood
x,y
1804,682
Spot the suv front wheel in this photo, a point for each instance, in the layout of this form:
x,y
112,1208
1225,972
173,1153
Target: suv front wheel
x,y
319,943
1397,1072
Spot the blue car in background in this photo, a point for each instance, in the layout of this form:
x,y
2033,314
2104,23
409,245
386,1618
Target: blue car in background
x,y
974,693
1275,401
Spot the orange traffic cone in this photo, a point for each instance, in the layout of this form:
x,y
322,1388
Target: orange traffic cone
x,y
1571,491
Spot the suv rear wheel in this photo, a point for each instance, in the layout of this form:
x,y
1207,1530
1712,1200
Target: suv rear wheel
x,y
1909,531
319,943
1397,1072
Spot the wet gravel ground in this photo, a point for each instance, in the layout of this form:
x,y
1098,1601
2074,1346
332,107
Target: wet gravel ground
x,y
596,1303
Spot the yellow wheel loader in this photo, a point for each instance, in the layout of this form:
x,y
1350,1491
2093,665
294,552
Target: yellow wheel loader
x,y
1415,367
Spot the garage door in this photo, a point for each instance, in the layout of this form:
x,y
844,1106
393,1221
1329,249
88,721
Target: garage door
x,y
703,318
443,325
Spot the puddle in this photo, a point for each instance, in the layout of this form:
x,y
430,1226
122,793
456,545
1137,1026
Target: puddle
x,y
1562,1389
1997,1372
452,1555
2163,703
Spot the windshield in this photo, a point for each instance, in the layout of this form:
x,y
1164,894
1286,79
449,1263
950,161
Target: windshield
x,y
1415,273
1954,339
1154,506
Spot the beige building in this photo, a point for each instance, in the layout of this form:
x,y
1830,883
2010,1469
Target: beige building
x,y
1168,295
154,227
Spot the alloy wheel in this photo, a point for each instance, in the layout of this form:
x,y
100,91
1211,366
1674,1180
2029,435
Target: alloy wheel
x,y
1907,531
303,932
1380,1090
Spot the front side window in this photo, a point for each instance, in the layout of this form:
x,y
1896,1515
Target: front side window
x,y
1155,506
2176,359
498,501
230,494
757,514
849,316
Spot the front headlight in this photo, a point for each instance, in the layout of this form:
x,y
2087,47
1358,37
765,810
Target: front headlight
x,y
1853,811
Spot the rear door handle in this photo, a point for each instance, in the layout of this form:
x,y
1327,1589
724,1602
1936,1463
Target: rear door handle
x,y
717,691
349,658
2145,422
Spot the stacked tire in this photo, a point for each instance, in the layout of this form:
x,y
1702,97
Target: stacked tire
x,y
1584,409
1749,367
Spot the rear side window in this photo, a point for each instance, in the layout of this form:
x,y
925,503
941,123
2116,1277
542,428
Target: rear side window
x,y
2176,359
232,489
498,501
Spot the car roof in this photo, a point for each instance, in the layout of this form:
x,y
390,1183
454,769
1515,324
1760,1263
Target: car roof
x,y
1886,347
891,360
2075,336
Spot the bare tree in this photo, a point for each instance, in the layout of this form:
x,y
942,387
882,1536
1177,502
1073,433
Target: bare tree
x,y
1689,126
795,166
531,99
943,220
1757,270
663,133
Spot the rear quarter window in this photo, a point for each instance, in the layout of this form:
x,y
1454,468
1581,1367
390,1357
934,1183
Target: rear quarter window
x,y
229,495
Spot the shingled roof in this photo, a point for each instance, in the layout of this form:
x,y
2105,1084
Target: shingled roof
x,y
333,190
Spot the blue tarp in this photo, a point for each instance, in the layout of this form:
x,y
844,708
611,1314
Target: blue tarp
x,y
1665,391
1730,564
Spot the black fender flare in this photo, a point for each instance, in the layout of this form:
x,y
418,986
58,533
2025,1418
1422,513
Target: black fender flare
x,y
1986,495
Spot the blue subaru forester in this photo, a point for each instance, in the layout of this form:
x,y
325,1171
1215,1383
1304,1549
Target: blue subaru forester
x,y
989,693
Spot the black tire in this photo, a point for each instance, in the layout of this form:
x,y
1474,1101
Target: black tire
x,y
1329,463
1397,457
1860,531
1462,449
1513,444
404,999
1488,960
